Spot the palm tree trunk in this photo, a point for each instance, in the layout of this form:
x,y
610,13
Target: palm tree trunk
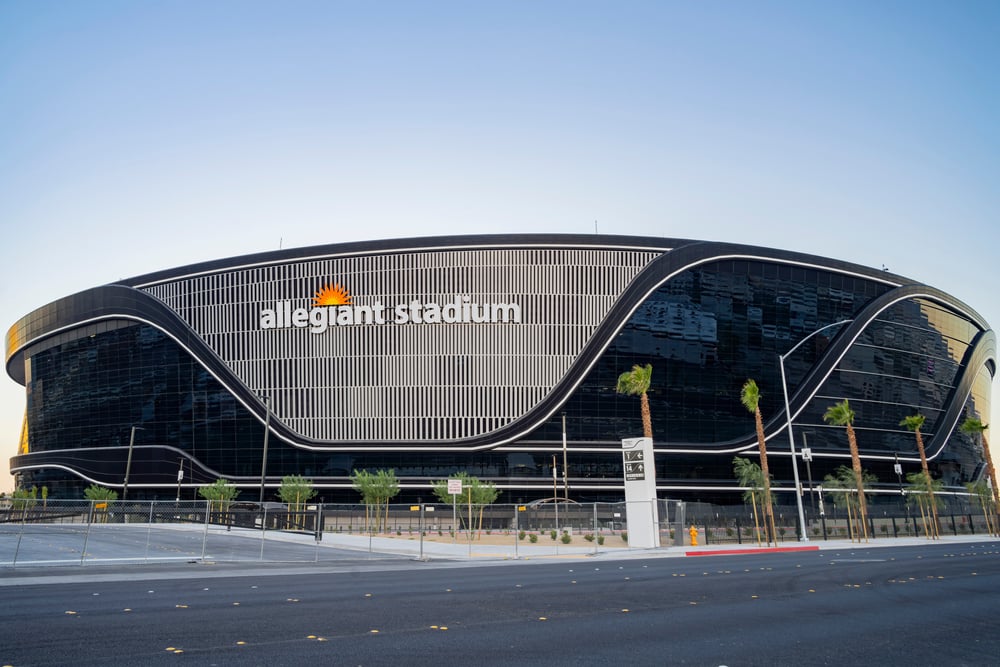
x,y
923,518
993,477
856,465
852,528
768,507
647,420
756,523
927,479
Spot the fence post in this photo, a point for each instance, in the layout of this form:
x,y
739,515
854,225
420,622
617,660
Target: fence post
x,y
263,530
149,531
972,526
17,549
954,528
895,532
739,532
204,539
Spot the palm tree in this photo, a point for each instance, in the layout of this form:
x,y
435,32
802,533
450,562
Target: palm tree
x,y
749,475
914,423
842,481
982,491
636,383
921,492
972,426
750,397
840,414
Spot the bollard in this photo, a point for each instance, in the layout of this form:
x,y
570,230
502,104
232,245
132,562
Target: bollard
x,y
693,532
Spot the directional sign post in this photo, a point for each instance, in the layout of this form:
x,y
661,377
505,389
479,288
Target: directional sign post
x,y
641,511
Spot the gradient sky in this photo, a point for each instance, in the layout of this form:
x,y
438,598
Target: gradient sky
x,y
137,136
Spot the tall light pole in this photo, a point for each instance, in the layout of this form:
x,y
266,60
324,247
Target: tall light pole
x,y
565,465
803,537
263,464
128,461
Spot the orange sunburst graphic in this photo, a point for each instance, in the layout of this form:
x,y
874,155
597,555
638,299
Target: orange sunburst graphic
x,y
332,295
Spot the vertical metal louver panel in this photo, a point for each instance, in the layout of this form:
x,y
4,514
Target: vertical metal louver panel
x,y
407,381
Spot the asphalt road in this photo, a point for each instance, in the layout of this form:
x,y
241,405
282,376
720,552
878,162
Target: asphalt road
x,y
934,604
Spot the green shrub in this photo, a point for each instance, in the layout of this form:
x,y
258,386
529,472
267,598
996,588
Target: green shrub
x,y
589,537
566,539
624,536
553,534
600,539
521,535
532,538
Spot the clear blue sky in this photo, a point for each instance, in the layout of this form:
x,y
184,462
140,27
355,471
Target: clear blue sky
x,y
136,136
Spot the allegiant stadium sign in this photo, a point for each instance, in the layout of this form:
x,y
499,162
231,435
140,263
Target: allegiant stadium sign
x,y
333,307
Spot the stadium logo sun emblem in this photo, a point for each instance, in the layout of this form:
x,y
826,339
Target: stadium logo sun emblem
x,y
332,295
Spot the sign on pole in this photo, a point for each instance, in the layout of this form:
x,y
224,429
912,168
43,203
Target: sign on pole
x,y
454,488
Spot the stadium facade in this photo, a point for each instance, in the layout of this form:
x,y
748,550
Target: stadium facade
x,y
436,355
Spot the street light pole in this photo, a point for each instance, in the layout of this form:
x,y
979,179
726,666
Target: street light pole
x,y
803,537
128,461
263,464
565,466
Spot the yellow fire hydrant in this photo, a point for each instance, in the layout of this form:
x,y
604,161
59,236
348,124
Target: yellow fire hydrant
x,y
694,536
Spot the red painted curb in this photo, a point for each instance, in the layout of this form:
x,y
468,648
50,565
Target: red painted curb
x,y
737,552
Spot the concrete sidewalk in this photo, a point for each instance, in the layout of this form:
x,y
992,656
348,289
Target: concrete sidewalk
x,y
464,551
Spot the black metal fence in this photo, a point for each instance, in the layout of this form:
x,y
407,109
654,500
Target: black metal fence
x,y
58,531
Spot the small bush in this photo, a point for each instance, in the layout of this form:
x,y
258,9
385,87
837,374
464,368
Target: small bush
x,y
566,539
553,534
624,536
884,528
589,537
532,538
521,535
399,532
440,533
815,531
600,539
729,532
